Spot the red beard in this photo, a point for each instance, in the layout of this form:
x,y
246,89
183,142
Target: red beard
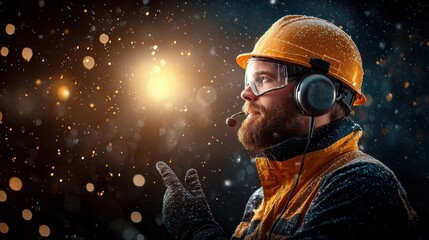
x,y
269,127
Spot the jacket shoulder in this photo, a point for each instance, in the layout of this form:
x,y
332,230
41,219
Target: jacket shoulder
x,y
253,203
365,169
364,197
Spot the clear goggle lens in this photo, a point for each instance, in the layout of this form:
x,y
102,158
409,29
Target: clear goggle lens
x,y
264,75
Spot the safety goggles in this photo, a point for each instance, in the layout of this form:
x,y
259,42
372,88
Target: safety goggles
x,y
266,75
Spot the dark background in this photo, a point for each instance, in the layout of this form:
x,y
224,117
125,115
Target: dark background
x,y
110,128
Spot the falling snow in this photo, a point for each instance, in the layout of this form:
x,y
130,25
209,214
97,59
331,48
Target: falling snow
x,y
94,93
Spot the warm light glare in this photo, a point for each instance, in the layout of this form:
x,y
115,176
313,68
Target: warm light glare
x,y
63,93
139,180
44,231
156,69
158,81
15,184
136,217
161,86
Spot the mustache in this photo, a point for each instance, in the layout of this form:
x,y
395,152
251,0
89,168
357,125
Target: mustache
x,y
249,107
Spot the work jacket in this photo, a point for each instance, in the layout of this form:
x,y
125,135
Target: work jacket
x,y
342,193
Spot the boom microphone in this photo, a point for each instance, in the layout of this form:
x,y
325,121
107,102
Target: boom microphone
x,y
231,121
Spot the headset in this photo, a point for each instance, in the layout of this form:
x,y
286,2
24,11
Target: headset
x,y
316,92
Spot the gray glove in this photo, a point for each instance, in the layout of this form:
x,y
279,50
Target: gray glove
x,y
185,211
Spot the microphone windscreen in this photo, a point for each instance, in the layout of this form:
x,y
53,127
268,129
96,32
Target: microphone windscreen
x,y
231,122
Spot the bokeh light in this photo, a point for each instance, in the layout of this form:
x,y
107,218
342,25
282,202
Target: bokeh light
x,y
406,84
88,62
15,183
3,196
4,228
368,100
63,93
44,230
90,187
10,29
4,51
139,180
227,183
104,38
136,217
206,95
389,97
27,214
27,53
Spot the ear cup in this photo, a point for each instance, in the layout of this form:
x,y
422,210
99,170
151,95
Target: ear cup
x,y
315,94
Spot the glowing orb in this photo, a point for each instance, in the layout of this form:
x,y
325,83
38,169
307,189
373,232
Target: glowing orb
x,y
389,97
4,51
10,29
139,180
27,53
63,93
158,82
44,230
4,228
27,214
3,196
161,87
88,62
90,187
15,184
206,95
136,217
104,38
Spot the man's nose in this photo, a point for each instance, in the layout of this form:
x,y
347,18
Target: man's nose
x,y
248,95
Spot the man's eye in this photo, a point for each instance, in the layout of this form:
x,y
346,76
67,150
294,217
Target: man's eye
x,y
264,79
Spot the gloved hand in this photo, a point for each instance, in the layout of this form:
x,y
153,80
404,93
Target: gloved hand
x,y
185,211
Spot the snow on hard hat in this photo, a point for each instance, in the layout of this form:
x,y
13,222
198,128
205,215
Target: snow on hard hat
x,y
297,39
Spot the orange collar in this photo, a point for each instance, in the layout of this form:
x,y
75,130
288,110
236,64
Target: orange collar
x,y
327,143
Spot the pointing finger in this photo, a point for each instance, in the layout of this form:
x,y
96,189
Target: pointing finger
x,y
170,178
193,182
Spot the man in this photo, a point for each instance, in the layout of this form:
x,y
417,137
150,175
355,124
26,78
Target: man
x,y
303,74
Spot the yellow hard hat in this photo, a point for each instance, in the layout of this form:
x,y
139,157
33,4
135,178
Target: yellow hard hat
x,y
297,39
